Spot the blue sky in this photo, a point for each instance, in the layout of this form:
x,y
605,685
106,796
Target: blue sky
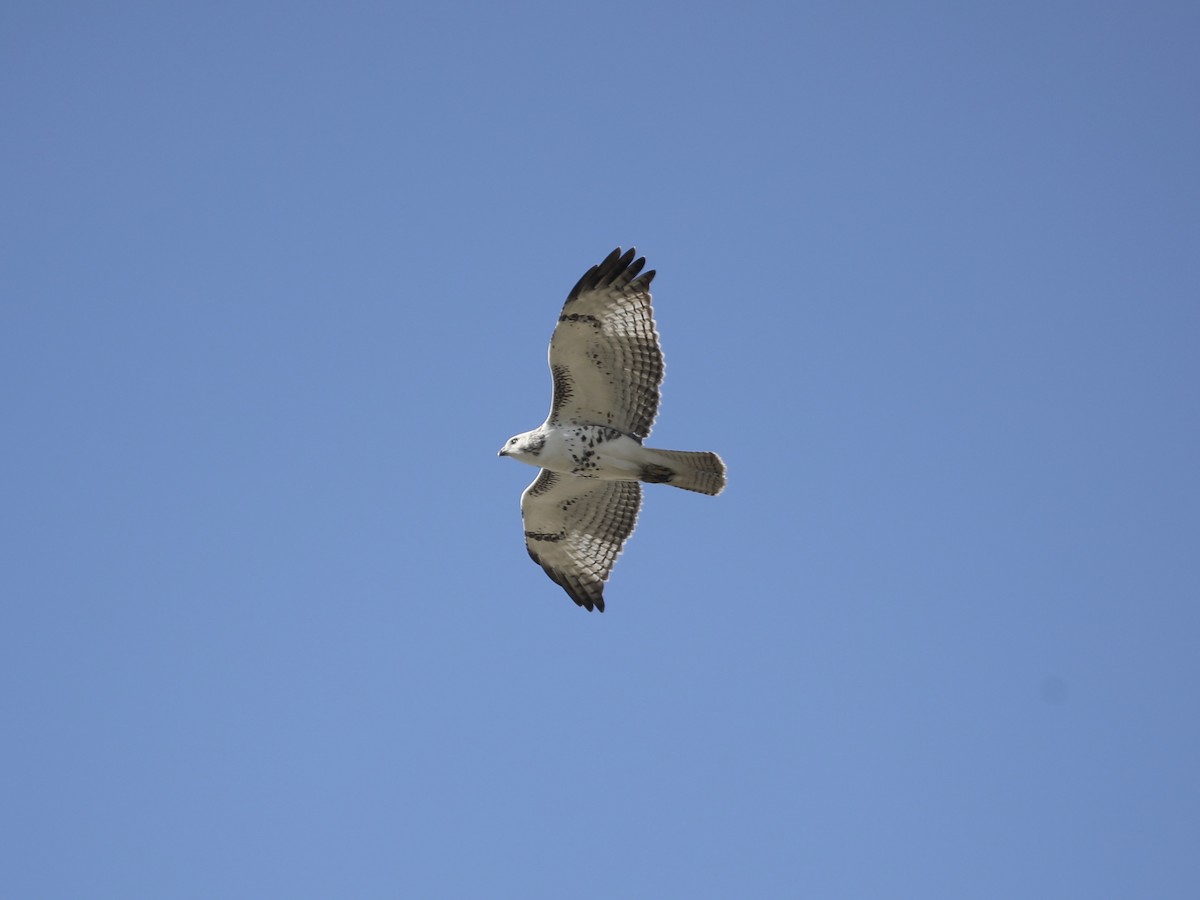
x,y
277,282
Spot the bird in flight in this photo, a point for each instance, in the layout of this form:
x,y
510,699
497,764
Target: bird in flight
x,y
607,366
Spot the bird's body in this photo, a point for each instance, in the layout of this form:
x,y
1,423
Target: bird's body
x,y
603,452
589,451
607,367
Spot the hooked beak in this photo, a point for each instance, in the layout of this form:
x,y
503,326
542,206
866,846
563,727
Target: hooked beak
x,y
502,453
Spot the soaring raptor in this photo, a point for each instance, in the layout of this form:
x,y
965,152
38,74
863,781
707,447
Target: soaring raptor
x,y
607,367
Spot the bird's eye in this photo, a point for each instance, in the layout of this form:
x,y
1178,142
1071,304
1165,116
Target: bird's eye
x,y
512,440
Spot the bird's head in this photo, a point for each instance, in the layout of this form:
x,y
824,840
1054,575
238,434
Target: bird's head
x,y
524,447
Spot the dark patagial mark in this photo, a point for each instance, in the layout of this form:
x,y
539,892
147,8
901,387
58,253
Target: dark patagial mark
x,y
564,388
544,482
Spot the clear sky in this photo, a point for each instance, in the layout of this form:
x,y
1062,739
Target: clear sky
x,y
277,282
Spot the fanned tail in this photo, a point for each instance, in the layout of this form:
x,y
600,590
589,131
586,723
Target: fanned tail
x,y
701,471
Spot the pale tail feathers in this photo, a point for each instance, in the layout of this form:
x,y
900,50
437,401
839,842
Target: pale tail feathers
x,y
693,471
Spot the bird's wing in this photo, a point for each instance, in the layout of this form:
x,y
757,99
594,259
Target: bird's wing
x,y
605,358
575,528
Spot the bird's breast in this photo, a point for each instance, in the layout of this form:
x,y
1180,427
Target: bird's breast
x,y
591,451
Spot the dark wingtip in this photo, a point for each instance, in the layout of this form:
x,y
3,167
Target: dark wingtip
x,y
615,266
581,598
574,590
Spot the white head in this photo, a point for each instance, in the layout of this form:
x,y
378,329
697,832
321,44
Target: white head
x,y
525,447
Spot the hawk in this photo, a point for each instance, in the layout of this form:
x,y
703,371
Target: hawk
x,y
607,366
